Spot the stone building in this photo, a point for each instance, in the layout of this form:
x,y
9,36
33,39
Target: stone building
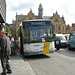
x,y
68,29
58,22
73,26
29,16
20,18
40,11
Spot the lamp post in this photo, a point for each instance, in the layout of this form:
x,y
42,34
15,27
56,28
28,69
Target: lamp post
x,y
14,39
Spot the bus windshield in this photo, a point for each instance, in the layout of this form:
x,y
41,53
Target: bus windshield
x,y
38,33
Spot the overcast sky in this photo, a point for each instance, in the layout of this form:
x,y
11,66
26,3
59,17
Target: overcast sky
x,y
63,7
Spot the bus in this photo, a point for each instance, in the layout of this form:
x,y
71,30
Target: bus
x,y
36,37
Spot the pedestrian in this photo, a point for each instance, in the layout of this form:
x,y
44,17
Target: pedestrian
x,y
0,45
5,54
17,51
12,46
11,43
7,34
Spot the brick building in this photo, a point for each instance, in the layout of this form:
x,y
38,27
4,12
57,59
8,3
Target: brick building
x,y
73,26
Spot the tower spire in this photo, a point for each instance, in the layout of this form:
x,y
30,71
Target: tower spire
x,y
40,11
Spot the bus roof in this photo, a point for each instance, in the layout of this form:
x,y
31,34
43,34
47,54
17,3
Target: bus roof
x,y
36,20
59,34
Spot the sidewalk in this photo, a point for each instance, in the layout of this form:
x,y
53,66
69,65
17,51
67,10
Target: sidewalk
x,y
19,66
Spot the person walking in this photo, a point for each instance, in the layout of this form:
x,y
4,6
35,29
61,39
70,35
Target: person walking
x,y
7,34
5,54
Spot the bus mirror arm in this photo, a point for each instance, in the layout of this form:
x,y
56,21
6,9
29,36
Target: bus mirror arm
x,y
53,36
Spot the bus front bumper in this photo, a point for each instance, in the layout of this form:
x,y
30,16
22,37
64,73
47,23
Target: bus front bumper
x,y
37,53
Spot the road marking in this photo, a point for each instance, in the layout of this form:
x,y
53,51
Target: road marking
x,y
73,58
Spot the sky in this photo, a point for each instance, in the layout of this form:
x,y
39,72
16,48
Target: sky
x,y
63,7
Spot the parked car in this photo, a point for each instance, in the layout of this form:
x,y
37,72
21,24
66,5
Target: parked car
x,y
67,36
71,41
57,43
62,41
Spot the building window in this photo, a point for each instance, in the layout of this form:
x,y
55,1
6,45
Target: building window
x,y
31,18
59,28
56,20
63,28
56,28
53,27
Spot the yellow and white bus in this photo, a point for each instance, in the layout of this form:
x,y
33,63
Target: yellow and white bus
x,y
36,37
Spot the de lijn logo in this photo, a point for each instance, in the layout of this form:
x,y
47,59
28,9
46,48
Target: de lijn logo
x,y
44,47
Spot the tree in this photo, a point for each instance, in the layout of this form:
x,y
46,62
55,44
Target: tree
x,y
18,32
8,30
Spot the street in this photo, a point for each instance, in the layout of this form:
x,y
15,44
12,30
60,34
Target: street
x,y
30,31
61,62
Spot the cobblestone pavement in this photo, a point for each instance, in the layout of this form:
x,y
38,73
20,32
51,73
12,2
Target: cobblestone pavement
x,y
19,66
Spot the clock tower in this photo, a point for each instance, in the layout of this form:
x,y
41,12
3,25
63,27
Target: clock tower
x,y
40,11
